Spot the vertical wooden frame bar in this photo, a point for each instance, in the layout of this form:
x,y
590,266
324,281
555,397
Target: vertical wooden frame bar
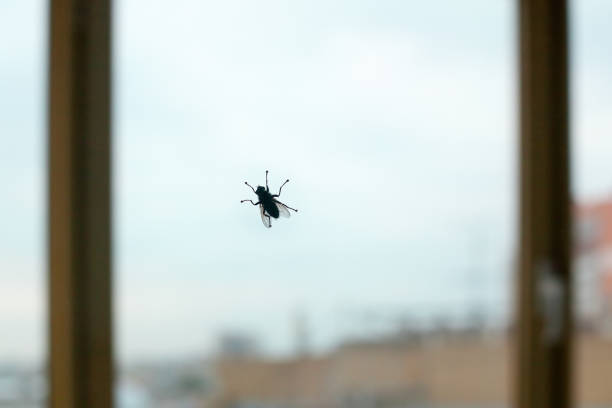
x,y
545,290
79,217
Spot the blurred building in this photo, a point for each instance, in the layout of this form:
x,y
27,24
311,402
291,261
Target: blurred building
x,y
593,265
238,345
456,369
391,372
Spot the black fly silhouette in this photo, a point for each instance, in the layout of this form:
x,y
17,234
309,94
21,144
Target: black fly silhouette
x,y
269,206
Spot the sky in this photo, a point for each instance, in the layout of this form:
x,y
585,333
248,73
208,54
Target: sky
x,y
395,122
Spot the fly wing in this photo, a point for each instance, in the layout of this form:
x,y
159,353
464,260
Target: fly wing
x,y
264,217
283,211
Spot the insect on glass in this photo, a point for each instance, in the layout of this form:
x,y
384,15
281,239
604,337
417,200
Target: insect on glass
x,y
269,206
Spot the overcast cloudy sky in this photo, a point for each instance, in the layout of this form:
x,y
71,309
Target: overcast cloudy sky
x,y
394,120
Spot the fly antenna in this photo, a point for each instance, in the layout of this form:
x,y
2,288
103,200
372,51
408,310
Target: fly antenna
x,y
250,186
281,187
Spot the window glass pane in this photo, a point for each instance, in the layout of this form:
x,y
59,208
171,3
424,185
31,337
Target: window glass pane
x,y
591,106
22,203
395,122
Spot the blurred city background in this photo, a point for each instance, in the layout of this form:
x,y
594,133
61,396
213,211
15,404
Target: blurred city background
x,y
393,286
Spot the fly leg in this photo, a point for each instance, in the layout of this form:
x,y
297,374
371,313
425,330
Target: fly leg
x,y
280,189
287,206
267,188
250,186
242,201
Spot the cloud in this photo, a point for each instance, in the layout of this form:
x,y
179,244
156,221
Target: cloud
x,y
22,309
394,140
591,106
395,122
22,292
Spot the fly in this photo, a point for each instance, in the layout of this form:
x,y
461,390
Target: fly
x,y
269,206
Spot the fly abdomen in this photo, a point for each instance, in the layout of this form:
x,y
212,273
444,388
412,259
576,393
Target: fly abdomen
x,y
271,209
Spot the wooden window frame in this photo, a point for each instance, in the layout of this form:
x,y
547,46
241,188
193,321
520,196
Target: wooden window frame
x,y
544,301
79,207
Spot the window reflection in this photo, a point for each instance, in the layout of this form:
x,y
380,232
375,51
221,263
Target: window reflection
x,y
392,285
